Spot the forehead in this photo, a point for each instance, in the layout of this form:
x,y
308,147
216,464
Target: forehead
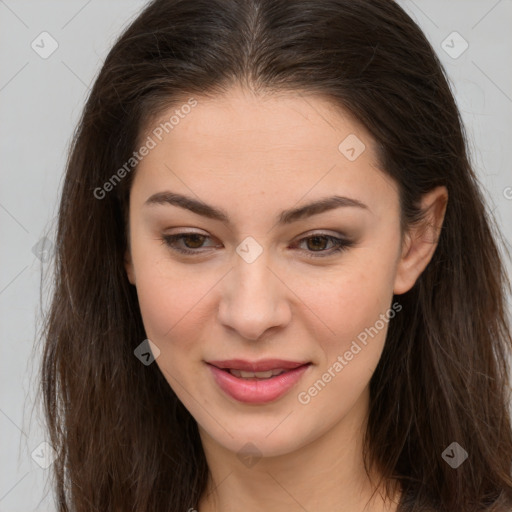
x,y
290,144
243,122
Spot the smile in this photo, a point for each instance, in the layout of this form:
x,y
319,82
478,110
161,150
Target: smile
x,y
257,382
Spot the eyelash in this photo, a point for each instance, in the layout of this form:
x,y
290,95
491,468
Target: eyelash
x,y
339,244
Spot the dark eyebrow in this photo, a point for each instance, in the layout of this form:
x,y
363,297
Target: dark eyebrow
x,y
285,217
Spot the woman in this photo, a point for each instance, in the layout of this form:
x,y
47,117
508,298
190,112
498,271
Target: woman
x,y
277,284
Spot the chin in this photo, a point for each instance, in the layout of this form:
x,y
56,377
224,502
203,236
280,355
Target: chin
x,y
260,440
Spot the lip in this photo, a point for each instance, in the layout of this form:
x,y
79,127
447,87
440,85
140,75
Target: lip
x,y
257,366
257,391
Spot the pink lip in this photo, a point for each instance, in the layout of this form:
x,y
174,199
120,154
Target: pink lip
x,y
257,366
257,391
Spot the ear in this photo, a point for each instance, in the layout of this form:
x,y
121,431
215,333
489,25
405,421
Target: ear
x,y
128,265
421,240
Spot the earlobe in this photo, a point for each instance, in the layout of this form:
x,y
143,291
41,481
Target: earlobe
x,y
420,241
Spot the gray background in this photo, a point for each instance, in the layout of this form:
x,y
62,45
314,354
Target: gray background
x,y
40,103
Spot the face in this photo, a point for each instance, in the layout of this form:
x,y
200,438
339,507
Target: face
x,y
229,266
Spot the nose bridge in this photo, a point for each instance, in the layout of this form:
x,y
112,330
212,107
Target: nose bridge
x,y
252,280
253,299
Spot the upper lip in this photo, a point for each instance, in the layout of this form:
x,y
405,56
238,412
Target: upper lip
x,y
257,366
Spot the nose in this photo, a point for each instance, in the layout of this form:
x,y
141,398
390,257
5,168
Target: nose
x,y
254,299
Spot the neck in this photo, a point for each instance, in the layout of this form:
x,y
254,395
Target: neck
x,y
325,475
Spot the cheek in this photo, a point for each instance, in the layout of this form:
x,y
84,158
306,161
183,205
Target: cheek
x,y
357,311
172,312
170,301
350,299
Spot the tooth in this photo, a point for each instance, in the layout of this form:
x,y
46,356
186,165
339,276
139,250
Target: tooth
x,y
256,375
259,375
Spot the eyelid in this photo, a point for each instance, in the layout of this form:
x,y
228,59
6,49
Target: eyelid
x,y
341,243
340,240
307,234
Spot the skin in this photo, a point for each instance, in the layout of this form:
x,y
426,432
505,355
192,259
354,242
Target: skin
x,y
254,157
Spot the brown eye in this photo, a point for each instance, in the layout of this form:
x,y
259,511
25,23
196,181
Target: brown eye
x,y
194,241
186,243
317,245
317,242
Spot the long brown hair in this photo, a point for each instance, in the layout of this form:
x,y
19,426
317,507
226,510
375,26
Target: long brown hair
x,y
123,439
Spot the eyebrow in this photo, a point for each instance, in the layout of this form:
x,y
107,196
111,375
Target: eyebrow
x,y
285,217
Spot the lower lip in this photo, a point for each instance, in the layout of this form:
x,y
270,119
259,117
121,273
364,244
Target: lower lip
x,y
257,391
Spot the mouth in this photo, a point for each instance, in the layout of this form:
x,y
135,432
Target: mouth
x,y
263,369
255,375
257,382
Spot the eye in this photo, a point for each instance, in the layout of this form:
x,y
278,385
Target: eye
x,y
316,244
191,243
